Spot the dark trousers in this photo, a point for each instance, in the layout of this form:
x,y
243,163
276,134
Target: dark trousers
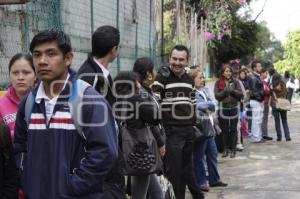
x,y
179,161
283,115
206,152
228,120
290,94
264,125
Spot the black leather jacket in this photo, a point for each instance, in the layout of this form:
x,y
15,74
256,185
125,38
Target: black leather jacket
x,y
256,88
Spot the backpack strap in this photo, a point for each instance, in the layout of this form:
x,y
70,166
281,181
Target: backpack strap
x,y
75,102
28,107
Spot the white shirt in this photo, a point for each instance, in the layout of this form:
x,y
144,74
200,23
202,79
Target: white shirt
x,y
104,70
49,103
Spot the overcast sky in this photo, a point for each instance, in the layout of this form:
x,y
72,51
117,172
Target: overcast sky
x,y
281,16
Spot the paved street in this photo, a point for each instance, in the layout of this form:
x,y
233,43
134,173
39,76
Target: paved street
x,y
264,171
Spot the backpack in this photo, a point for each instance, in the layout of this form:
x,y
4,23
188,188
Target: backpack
x,y
75,99
4,142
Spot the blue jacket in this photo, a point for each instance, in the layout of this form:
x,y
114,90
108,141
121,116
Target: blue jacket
x,y
204,107
54,160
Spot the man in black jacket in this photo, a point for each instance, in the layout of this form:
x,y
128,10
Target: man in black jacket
x,y
174,87
95,71
256,102
8,170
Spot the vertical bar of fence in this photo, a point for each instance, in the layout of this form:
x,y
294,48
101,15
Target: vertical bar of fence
x,y
59,15
118,27
150,31
136,41
25,29
92,15
162,32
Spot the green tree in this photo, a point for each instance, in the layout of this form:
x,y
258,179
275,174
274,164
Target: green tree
x,y
291,61
241,44
268,48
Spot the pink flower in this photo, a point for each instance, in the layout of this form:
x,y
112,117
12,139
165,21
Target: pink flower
x,y
225,27
237,61
220,36
243,2
208,35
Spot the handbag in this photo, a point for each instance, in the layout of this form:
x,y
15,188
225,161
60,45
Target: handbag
x,y
282,103
140,151
205,126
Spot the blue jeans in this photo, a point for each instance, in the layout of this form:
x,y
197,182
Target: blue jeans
x,y
206,147
283,115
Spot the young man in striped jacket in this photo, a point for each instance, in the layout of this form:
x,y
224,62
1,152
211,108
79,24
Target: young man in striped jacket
x,y
174,87
56,159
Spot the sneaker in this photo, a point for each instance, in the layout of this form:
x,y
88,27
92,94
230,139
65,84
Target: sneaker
x,y
239,147
219,184
278,140
267,138
288,139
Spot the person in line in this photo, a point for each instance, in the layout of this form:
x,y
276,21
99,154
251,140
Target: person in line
x,y
205,149
95,71
239,144
9,181
257,94
228,93
290,84
144,67
279,90
264,78
22,78
141,114
174,88
244,105
54,157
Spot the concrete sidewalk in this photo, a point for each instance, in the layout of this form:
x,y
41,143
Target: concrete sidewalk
x,y
269,170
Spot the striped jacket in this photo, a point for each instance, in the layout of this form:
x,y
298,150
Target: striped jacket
x,y
55,161
177,99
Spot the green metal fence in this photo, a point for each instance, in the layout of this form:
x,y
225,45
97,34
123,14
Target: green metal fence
x,y
20,22
79,18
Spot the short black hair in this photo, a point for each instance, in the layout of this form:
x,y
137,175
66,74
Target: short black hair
x,y
142,66
254,64
287,74
19,56
104,39
181,48
123,83
272,71
63,40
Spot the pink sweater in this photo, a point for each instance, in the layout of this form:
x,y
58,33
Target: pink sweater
x,y
8,109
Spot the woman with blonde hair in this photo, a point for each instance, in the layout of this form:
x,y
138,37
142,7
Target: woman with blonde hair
x,y
205,148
